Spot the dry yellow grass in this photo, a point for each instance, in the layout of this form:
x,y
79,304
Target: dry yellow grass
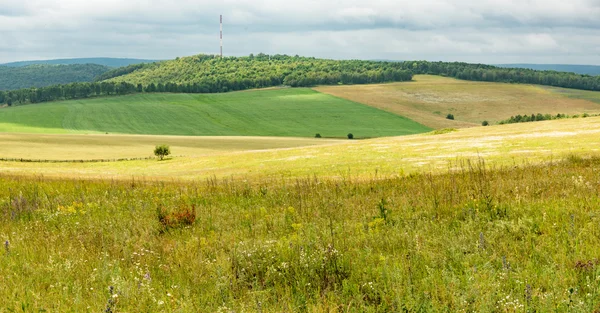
x,y
95,147
498,145
429,99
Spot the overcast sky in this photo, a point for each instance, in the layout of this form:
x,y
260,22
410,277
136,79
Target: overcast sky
x,y
485,31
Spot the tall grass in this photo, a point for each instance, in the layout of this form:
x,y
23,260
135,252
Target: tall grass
x,y
471,240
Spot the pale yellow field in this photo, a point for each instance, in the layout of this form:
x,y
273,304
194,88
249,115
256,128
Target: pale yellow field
x,y
97,147
428,99
513,144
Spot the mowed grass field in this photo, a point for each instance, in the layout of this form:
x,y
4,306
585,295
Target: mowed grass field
x,y
109,147
428,99
514,144
277,112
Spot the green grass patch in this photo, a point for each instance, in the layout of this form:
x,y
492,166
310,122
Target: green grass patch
x,y
284,112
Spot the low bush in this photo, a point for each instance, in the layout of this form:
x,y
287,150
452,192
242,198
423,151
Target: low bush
x,y
178,217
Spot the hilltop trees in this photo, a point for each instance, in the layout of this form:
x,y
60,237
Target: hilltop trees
x,y
208,73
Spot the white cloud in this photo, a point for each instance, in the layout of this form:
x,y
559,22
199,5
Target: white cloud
x,y
491,31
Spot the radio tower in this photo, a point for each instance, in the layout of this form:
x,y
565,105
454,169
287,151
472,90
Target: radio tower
x,y
221,36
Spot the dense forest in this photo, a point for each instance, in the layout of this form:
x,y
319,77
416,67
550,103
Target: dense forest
x,y
211,74
46,75
214,74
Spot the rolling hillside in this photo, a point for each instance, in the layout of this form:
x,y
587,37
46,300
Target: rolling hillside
x,y
515,144
47,75
110,62
282,112
429,99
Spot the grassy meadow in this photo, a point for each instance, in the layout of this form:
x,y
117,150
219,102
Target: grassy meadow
x,y
474,239
428,99
276,112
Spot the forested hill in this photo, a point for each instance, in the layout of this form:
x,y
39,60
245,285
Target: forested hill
x,y
110,62
210,73
47,75
213,74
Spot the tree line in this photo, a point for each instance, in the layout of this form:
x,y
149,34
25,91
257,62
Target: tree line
x,y
488,73
540,117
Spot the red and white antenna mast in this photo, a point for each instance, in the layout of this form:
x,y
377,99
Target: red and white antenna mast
x,y
221,36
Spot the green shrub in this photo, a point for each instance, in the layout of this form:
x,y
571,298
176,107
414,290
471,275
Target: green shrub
x,y
350,136
450,116
318,135
485,123
161,151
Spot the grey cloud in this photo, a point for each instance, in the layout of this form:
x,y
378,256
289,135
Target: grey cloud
x,y
491,31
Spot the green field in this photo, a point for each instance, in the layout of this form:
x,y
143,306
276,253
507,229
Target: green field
x,y
282,112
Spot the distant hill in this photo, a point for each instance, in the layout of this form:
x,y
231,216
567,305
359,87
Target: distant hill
x,y
43,75
579,69
110,62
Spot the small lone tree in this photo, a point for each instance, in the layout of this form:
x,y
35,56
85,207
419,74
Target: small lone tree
x,y
485,123
318,135
161,151
450,116
350,136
